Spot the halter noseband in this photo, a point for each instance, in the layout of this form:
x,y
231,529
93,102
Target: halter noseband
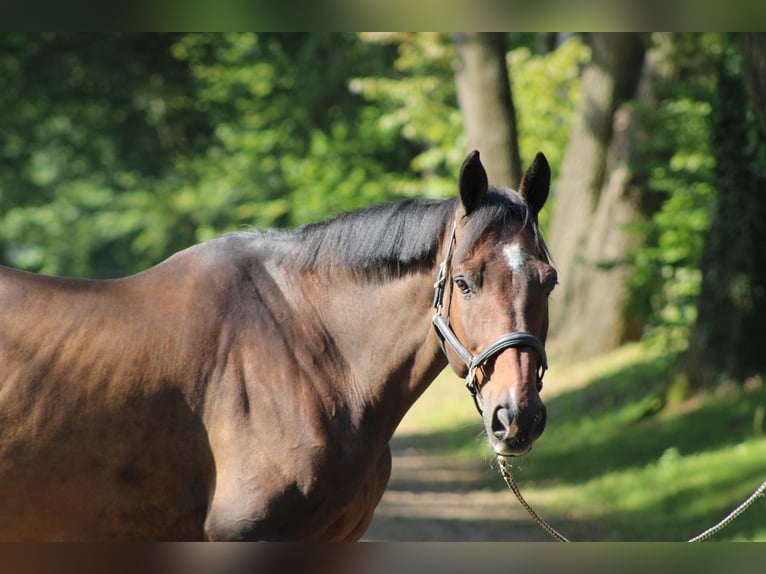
x,y
474,362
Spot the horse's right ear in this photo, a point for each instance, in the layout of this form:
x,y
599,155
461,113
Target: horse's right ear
x,y
473,182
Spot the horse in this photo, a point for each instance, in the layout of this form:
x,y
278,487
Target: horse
x,y
247,387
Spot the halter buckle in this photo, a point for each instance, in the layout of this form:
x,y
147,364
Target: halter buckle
x,y
439,286
470,384
470,381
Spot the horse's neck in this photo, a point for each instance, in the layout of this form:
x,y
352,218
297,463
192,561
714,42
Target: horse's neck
x,y
383,333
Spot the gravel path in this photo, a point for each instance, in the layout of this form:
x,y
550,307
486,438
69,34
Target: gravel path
x,y
432,497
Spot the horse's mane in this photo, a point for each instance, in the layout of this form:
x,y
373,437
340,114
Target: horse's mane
x,y
393,239
378,242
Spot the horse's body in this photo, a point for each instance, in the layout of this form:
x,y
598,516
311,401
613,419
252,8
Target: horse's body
x,y
246,388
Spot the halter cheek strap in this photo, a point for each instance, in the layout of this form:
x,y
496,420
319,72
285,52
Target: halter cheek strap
x,y
448,337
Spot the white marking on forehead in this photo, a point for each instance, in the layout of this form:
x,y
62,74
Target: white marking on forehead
x,y
514,255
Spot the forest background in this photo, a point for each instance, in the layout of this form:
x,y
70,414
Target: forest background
x,y
117,150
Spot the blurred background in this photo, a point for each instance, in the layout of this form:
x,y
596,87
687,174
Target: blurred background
x,y
116,150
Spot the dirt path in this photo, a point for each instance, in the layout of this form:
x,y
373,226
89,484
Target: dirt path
x,y
432,497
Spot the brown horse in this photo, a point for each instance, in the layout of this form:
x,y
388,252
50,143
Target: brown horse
x,y
247,388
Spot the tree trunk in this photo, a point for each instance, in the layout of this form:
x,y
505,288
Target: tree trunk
x,y
484,91
596,199
728,340
753,46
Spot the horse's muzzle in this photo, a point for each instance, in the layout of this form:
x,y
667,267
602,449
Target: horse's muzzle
x,y
512,433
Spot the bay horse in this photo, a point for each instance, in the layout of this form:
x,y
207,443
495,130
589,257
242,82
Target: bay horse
x,y
247,387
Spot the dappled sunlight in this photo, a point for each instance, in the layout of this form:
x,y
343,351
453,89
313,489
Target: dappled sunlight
x,y
616,461
670,501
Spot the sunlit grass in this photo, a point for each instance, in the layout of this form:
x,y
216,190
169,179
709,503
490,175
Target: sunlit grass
x,y
618,460
674,498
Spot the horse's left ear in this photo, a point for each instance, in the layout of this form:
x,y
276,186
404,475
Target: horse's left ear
x,y
473,182
536,183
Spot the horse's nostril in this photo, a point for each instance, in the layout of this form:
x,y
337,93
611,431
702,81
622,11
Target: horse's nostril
x,y
501,422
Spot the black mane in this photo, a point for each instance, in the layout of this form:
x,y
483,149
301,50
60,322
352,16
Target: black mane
x,y
381,241
392,239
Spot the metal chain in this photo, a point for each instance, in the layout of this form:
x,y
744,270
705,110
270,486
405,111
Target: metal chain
x,y
731,516
505,470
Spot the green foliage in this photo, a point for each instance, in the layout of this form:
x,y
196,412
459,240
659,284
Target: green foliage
x,y
420,105
729,338
417,103
678,167
703,161
87,117
119,149
667,268
546,89
290,145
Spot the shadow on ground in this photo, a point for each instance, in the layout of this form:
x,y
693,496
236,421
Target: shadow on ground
x,y
616,423
436,497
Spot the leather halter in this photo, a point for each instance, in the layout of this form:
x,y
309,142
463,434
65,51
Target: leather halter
x,y
474,362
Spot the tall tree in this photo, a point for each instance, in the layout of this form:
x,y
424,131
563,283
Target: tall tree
x,y
728,338
753,46
597,199
484,91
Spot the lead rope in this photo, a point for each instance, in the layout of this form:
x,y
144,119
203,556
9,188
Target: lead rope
x,y
505,470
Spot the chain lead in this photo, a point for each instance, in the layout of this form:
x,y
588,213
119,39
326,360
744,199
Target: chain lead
x,y
505,470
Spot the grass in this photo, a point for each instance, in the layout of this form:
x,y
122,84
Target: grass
x,y
618,460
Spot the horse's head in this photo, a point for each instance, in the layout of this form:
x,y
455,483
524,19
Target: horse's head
x,y
493,313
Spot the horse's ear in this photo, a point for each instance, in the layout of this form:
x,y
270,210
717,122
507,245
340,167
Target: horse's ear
x,y
536,183
473,182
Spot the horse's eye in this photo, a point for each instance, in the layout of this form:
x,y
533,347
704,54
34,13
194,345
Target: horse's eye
x,y
462,285
549,282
